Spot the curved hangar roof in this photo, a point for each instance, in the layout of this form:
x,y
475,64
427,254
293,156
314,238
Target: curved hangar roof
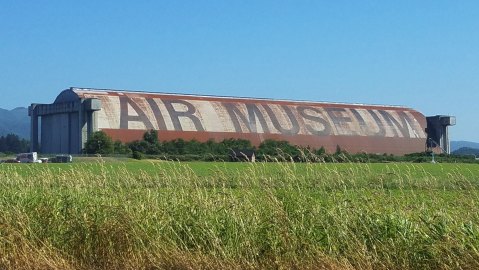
x,y
125,115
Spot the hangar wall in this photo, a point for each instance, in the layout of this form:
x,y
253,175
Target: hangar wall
x,y
64,126
59,139
125,115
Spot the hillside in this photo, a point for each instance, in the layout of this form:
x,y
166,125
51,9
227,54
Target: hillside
x,y
15,121
455,145
466,151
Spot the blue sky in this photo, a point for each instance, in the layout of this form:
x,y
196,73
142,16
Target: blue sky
x,y
420,54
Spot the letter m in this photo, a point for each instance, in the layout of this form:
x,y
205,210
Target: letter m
x,y
248,121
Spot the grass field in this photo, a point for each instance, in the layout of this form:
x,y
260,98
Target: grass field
x,y
124,214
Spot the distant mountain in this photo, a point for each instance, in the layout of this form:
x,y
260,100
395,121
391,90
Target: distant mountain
x,y
455,145
466,151
15,121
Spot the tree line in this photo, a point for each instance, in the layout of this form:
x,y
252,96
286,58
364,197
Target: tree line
x,y
12,143
179,149
100,143
269,150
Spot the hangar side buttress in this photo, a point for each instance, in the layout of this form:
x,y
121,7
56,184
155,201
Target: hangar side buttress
x,y
438,132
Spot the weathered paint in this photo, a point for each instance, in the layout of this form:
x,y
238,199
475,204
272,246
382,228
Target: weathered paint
x,y
375,129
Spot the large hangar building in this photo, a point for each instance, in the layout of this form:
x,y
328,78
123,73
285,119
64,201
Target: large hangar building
x,y
65,125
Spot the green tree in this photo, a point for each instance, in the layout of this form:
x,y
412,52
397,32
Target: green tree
x,y
279,149
151,136
241,144
197,148
121,148
13,144
139,146
137,155
150,144
321,151
99,143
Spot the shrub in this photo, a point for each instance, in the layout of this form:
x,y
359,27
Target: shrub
x,y
137,155
99,143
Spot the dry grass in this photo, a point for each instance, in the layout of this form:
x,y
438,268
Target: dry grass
x,y
263,216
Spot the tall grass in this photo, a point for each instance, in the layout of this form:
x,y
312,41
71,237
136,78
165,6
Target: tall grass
x,y
284,215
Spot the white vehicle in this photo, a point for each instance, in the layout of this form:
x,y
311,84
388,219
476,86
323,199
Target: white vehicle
x,y
31,157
